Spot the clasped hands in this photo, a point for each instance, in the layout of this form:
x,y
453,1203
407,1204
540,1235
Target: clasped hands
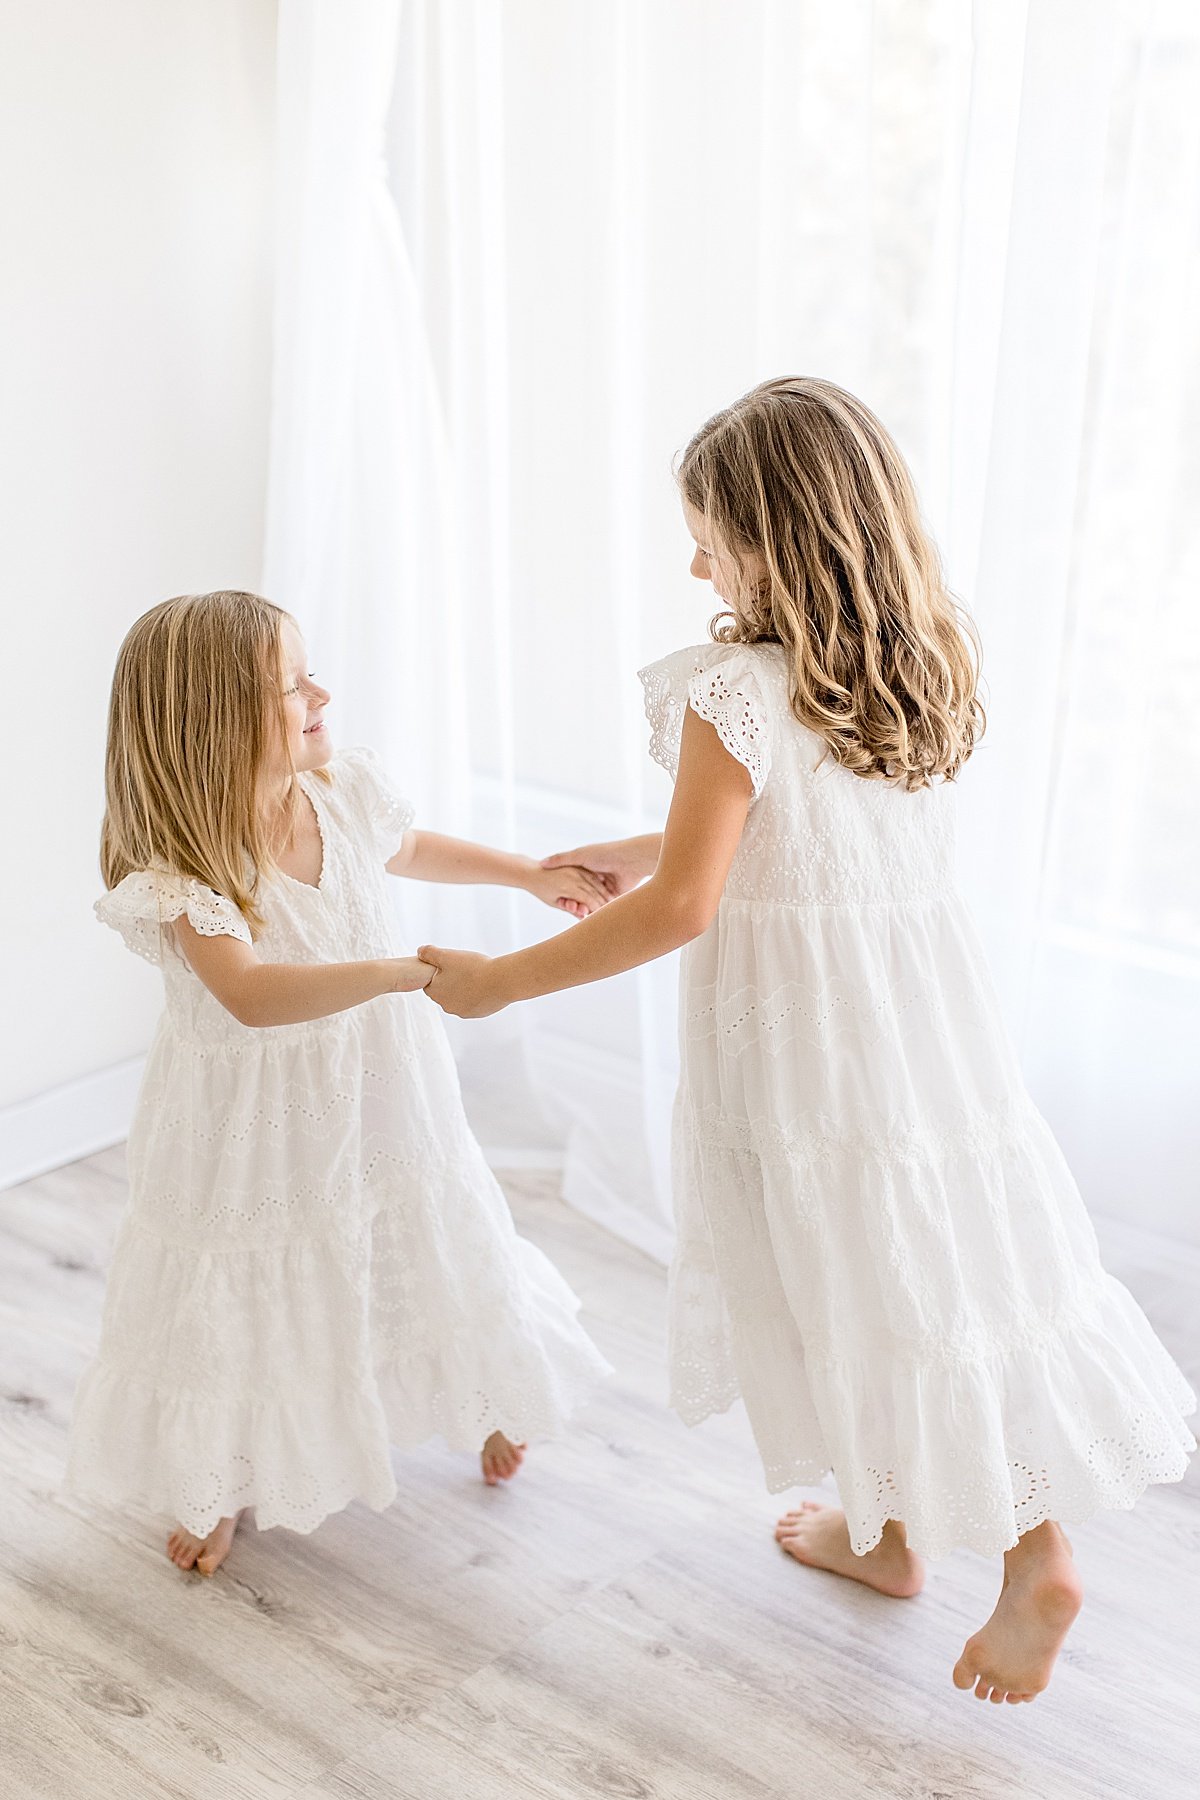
x,y
580,881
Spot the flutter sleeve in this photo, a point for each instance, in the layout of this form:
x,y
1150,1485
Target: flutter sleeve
x,y
721,683
373,797
140,905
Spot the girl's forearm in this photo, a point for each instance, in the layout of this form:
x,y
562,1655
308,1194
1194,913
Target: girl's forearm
x,y
644,852
636,929
454,860
291,993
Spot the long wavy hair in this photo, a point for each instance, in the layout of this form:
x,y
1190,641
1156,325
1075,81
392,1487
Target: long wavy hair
x,y
801,477
196,707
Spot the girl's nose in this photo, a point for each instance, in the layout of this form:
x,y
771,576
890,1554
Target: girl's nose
x,y
699,566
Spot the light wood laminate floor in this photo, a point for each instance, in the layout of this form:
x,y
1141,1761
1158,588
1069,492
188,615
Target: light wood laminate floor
x,y
617,1623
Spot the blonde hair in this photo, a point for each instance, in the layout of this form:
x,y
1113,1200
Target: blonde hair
x,y
196,699
884,664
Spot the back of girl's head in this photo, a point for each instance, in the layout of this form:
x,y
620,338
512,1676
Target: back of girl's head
x,y
191,719
809,501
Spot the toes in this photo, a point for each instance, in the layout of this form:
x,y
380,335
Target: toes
x,y
983,1690
998,1696
964,1674
794,1547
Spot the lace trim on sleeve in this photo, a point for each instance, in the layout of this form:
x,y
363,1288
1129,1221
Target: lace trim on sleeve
x,y
726,694
144,902
737,714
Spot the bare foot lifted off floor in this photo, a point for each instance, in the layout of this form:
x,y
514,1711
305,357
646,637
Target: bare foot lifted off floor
x,y
816,1535
501,1459
203,1554
1013,1655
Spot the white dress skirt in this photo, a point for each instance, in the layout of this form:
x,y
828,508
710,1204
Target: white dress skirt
x,y
880,1246
316,1263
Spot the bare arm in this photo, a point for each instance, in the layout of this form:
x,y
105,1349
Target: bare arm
x,y
428,856
678,902
259,993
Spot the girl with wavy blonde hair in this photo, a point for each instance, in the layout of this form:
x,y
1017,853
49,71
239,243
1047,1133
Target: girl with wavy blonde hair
x,y
316,1264
827,554
880,1247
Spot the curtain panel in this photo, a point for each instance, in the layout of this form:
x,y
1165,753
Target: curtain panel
x,y
525,249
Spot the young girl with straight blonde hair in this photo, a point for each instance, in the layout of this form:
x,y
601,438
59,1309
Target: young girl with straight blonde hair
x,y
880,1247
316,1263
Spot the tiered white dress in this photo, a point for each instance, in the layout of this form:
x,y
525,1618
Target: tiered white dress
x,y
316,1262
880,1246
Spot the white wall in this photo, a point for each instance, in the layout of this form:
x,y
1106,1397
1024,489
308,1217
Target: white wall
x,y
136,145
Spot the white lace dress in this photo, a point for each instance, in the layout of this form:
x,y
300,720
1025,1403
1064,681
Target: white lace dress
x,y
316,1262
880,1246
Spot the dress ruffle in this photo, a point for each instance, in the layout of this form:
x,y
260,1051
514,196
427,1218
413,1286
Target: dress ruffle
x,y
720,683
912,1298
259,1378
140,905
967,1450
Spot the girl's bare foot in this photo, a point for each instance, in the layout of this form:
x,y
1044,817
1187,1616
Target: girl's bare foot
x,y
817,1536
501,1458
1012,1656
205,1554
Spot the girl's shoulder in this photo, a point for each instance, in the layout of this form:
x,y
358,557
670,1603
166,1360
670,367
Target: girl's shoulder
x,y
737,688
146,900
360,790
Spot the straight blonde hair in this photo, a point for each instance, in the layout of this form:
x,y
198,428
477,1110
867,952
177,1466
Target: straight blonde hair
x,y
884,664
196,703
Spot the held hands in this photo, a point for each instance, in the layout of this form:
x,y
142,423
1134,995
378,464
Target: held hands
x,y
617,867
463,983
410,974
575,881
562,883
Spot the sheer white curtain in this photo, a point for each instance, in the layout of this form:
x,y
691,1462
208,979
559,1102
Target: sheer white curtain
x,y
527,248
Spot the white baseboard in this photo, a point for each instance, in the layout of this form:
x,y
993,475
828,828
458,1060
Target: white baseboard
x,y
67,1122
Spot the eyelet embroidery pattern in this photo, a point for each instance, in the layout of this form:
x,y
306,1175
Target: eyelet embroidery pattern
x,y
723,693
880,1247
316,1264
146,901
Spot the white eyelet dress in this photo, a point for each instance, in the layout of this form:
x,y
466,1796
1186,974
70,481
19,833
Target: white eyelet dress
x,y
880,1246
316,1262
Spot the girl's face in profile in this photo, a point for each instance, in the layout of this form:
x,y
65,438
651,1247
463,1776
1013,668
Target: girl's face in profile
x,y
307,744
708,563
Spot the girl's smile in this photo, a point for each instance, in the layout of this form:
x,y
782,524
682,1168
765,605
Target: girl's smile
x,y
307,741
